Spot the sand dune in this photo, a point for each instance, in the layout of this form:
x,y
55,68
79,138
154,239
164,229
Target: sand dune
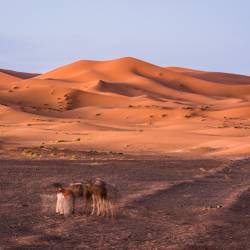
x,y
21,75
142,75
128,105
218,77
6,78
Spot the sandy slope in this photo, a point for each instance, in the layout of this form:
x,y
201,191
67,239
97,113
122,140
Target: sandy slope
x,y
126,105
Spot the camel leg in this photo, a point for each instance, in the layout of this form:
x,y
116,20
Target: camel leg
x,y
93,205
104,207
112,210
99,206
87,206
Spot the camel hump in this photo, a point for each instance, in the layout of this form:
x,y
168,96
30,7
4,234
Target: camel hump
x,y
100,182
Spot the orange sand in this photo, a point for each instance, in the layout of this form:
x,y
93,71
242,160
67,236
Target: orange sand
x,y
126,105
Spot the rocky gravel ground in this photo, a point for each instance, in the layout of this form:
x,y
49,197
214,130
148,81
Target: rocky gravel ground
x,y
162,203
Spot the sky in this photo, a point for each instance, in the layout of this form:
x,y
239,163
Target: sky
x,y
39,35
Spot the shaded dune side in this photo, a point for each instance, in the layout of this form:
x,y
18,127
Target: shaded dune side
x,y
10,76
217,77
21,75
36,95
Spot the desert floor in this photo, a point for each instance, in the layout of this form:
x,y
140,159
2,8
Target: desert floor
x,y
162,203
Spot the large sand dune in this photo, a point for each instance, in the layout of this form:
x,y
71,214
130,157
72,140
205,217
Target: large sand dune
x,y
126,105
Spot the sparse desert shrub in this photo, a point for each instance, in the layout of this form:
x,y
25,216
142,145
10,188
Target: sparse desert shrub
x,y
30,152
59,141
188,108
73,157
27,151
192,114
115,153
92,152
34,155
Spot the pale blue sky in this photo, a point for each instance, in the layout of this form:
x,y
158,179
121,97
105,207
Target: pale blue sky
x,y
38,35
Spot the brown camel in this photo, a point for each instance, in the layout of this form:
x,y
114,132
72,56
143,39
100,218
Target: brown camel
x,y
96,195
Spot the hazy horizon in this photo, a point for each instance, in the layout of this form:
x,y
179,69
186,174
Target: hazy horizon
x,y
38,36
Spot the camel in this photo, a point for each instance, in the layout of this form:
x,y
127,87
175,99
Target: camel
x,y
96,194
